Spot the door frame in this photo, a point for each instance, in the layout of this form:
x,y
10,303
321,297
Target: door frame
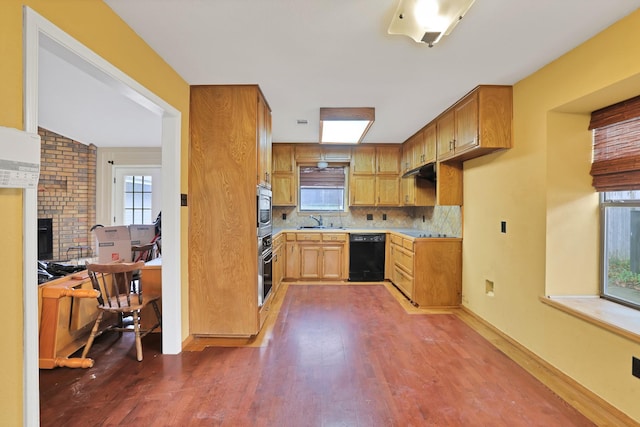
x,y
37,29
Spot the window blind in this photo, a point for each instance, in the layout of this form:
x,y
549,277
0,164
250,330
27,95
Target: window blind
x,y
616,146
327,177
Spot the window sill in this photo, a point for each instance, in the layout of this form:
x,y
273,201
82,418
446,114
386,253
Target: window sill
x,y
609,315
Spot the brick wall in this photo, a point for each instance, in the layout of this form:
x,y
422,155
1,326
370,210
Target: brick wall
x,y
67,192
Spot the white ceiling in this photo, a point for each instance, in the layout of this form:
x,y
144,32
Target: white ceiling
x,y
335,53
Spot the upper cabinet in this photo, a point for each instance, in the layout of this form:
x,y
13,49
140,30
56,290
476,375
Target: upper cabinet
x,y
375,176
478,124
310,153
264,141
283,180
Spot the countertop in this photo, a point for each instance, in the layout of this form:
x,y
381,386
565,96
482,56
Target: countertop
x,y
409,232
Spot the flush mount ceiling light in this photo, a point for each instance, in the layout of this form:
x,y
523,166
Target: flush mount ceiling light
x,y
427,21
345,125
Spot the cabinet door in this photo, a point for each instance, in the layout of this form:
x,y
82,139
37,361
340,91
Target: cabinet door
x,y
429,144
362,190
332,262
336,154
283,186
408,148
282,158
308,153
466,123
264,142
363,161
388,160
445,135
310,261
408,191
388,190
292,260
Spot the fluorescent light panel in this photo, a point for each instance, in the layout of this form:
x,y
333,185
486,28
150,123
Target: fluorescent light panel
x,y
345,125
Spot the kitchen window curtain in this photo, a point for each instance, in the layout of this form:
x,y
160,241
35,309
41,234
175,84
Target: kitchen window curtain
x,y
616,146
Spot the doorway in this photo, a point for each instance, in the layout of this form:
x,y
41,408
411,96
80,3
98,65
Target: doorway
x,y
39,30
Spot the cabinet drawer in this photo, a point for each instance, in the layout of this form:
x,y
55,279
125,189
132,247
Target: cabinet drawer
x,y
278,240
403,281
404,259
291,237
334,237
309,237
397,240
408,244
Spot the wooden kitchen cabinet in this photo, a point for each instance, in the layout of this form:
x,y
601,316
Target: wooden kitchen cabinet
x,y
283,160
264,142
445,134
363,160
418,192
310,261
478,124
284,178
362,190
228,127
316,256
388,190
375,176
388,159
428,271
311,153
292,257
284,189
278,269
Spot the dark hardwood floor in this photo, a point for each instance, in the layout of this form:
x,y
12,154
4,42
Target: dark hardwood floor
x,y
337,355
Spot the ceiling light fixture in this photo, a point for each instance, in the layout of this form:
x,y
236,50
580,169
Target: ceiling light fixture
x,y
345,125
427,21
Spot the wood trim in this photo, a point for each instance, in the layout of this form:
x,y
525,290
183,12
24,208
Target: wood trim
x,y
585,401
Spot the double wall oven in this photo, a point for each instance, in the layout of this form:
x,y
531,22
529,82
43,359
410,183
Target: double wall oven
x,y
264,232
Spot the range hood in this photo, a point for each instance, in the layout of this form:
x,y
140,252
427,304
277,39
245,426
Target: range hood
x,y
427,172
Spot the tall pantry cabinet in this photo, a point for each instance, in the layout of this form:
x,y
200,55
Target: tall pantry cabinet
x,y
230,130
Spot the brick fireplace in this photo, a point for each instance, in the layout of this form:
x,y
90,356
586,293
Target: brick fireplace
x,y
67,193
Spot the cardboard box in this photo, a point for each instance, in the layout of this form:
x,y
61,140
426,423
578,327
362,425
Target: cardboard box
x,y
141,234
114,243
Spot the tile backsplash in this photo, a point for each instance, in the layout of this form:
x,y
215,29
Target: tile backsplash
x,y
433,219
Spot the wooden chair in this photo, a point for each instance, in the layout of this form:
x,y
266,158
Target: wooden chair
x,y
117,295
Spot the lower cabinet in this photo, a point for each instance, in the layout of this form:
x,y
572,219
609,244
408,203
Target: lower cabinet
x,y
427,271
278,268
314,256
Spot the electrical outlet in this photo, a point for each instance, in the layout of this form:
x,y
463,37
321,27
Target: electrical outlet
x,y
369,217
183,199
635,367
423,218
384,217
284,216
488,287
503,227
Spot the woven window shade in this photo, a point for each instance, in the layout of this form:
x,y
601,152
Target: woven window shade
x,y
616,146
328,177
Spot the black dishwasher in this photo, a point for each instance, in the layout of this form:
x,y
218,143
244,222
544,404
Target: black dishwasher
x,y
366,257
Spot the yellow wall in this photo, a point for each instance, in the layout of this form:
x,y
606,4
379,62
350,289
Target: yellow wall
x,y
94,24
542,188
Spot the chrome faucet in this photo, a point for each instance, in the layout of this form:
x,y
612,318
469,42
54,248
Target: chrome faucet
x,y
317,219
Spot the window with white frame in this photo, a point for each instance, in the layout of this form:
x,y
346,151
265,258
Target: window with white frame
x,y
136,195
616,176
322,189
